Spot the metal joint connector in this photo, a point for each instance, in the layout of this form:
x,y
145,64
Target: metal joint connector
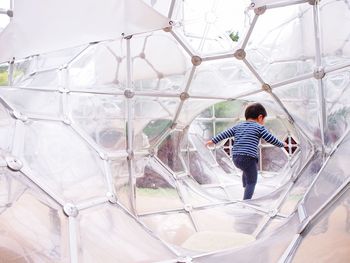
x,y
239,54
196,60
266,87
319,73
70,209
184,96
129,94
168,28
111,198
19,116
260,10
13,163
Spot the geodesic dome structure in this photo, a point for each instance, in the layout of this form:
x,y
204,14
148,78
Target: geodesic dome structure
x,y
105,108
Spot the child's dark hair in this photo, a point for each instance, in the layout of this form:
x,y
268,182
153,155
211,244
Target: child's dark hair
x,y
254,110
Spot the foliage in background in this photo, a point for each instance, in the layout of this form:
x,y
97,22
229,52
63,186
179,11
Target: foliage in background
x,y
234,36
3,76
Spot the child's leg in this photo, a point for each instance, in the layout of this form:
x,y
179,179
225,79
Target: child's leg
x,y
252,176
250,173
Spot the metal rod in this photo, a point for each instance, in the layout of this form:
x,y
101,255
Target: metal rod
x,y
92,203
336,67
283,4
18,139
87,139
189,52
73,242
292,80
290,249
109,179
185,90
280,103
250,67
318,50
217,57
244,44
130,129
171,9
29,174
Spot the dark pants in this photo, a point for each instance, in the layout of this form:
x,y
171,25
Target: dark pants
x,y
250,173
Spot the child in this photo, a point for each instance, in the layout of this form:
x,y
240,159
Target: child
x,y
247,135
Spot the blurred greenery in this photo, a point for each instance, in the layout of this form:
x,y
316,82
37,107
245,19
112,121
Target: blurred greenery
x,y
234,36
158,192
155,127
3,76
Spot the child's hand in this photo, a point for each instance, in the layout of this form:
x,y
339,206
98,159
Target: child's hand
x,y
209,143
285,144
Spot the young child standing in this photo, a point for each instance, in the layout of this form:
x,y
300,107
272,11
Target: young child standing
x,y
247,135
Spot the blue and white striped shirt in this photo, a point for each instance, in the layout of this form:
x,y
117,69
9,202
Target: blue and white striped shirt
x,y
246,138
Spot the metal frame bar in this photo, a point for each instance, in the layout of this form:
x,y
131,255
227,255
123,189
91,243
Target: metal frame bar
x,y
185,47
189,80
171,9
73,241
283,4
29,174
130,128
252,25
321,98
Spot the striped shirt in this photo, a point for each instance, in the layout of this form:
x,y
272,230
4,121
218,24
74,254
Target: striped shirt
x,y
246,138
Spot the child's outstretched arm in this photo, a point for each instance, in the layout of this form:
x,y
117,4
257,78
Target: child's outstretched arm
x,y
268,137
209,143
224,135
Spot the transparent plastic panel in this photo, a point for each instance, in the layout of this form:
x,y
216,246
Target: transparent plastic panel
x,y
47,79
336,87
269,250
273,159
300,99
338,50
301,185
121,181
33,228
98,67
230,109
334,174
167,84
102,118
168,152
57,59
194,195
33,102
331,233
209,26
225,161
226,79
156,189
152,117
192,108
281,34
277,71
60,159
228,218
151,67
174,228
119,237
